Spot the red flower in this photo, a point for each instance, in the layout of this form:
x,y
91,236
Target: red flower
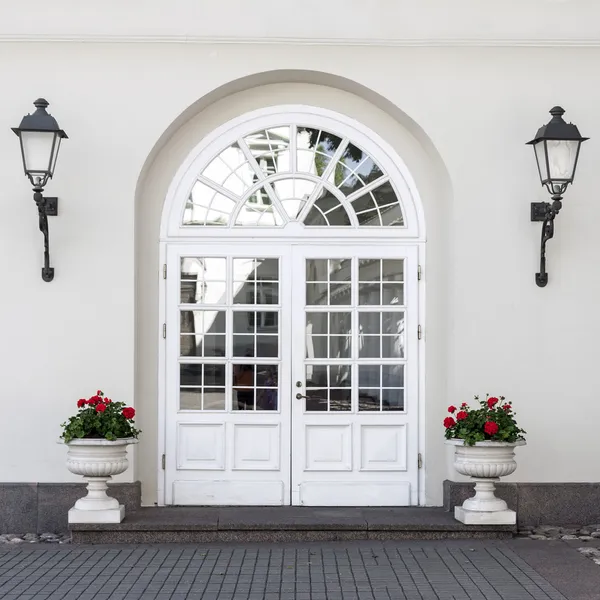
x,y
490,428
129,412
107,400
449,422
81,402
100,407
99,393
464,405
461,415
506,407
451,409
492,402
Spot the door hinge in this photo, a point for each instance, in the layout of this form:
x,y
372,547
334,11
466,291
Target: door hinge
x,y
419,460
164,458
419,273
164,331
419,332
165,271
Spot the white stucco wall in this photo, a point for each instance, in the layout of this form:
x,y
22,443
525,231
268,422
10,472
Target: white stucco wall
x,y
461,117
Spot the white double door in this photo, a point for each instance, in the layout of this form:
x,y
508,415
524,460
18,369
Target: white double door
x,y
291,375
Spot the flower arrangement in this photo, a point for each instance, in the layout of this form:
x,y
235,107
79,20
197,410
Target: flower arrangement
x,y
494,420
100,417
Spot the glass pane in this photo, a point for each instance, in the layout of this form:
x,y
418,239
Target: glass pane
x,y
317,269
214,399
561,158
392,293
190,375
392,269
267,345
267,293
266,375
203,280
359,169
190,399
258,211
244,292
266,269
317,376
369,376
340,294
392,346
339,400
369,294
391,216
369,322
243,345
244,321
316,294
214,375
369,346
266,399
270,148
243,399
392,399
369,399
315,149
340,269
369,218
339,322
393,322
317,346
340,375
293,194
206,206
392,375
316,400
315,218
385,200
369,269
338,217
340,346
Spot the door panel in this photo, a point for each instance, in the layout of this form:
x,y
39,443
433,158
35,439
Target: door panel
x,y
228,405
354,413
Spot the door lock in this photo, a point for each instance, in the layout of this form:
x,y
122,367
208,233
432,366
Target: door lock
x,y
298,384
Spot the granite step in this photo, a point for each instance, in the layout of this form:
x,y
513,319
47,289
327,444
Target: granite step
x,y
178,524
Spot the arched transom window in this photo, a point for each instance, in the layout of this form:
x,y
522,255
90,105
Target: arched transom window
x,y
293,172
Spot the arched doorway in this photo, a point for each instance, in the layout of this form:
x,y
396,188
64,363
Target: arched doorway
x,y
292,239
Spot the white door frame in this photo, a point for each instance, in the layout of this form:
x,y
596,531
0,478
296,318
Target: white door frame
x,y
172,232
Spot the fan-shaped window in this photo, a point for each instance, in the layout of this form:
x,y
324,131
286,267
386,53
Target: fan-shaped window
x,y
293,173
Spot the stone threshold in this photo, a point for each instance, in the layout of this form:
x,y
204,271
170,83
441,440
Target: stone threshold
x,y
283,524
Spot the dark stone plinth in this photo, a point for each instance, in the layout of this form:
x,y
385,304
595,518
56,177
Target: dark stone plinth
x,y
538,503
43,507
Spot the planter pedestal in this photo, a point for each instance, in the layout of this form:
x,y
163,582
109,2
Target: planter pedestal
x,y
97,460
484,508
485,463
97,506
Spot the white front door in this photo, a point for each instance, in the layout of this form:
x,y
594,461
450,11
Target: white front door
x,y
354,371
291,374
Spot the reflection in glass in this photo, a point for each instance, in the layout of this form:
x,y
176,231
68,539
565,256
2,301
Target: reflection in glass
x,y
392,269
207,207
315,148
339,322
393,322
202,387
259,211
203,280
316,294
392,399
255,387
270,148
392,346
392,375
340,400
369,346
369,399
369,322
340,346
369,376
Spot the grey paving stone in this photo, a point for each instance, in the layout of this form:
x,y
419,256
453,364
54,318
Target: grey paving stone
x,y
351,570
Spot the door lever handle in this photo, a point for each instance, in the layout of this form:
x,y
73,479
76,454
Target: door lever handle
x,y
299,396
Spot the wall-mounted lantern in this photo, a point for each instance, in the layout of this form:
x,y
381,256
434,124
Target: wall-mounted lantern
x,y
40,137
556,146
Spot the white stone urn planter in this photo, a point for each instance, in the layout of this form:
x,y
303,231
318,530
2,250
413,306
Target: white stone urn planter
x,y
485,463
97,460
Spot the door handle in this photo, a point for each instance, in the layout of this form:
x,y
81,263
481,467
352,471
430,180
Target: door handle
x,y
299,396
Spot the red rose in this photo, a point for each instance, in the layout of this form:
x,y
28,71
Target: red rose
x,y
464,405
451,409
506,407
449,422
492,402
107,400
490,428
100,407
99,393
461,415
129,412
81,402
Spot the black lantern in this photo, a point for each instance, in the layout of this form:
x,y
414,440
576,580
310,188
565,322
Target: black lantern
x,y
40,137
556,147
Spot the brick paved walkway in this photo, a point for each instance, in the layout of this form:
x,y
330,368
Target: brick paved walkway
x,y
461,570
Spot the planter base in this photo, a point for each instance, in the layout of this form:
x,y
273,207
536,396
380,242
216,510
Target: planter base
x,y
477,517
107,515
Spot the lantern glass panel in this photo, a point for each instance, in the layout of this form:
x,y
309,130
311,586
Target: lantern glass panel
x,y
540,155
37,151
562,155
